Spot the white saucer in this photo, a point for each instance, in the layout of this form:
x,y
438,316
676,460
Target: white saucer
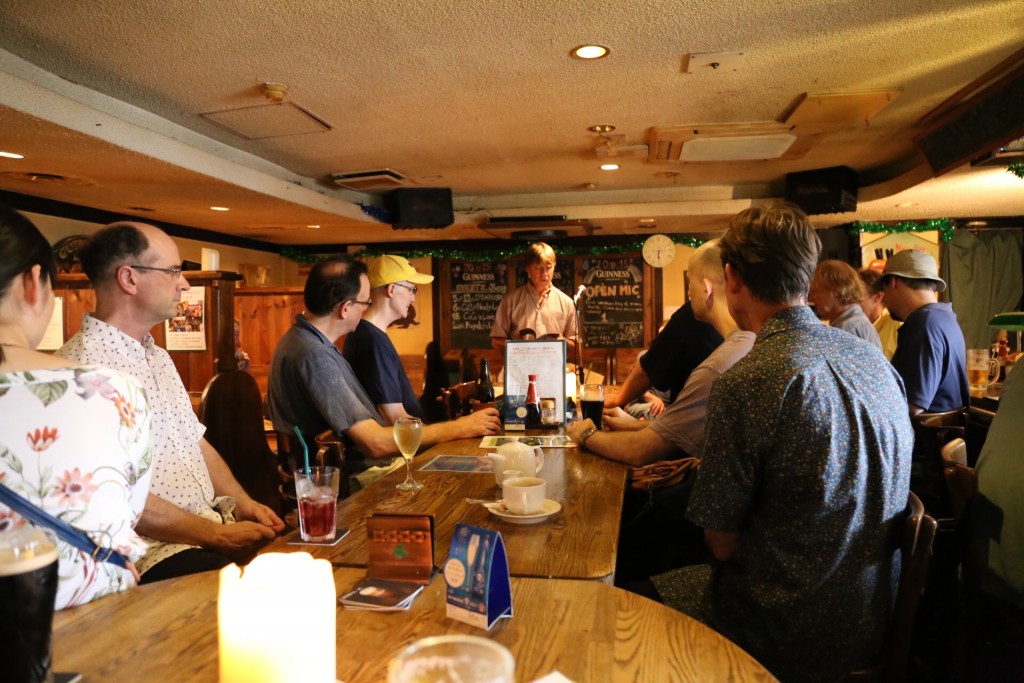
x,y
548,508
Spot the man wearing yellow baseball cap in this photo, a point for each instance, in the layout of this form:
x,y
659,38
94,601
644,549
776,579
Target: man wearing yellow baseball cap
x,y
373,357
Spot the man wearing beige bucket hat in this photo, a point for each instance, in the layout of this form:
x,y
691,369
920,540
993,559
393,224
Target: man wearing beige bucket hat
x,y
930,356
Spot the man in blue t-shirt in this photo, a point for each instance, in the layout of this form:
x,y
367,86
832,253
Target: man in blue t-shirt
x,y
930,356
375,361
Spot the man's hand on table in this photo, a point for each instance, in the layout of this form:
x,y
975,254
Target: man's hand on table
x,y
484,422
239,541
249,510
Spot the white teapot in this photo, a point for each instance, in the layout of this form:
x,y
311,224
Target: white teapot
x,y
518,457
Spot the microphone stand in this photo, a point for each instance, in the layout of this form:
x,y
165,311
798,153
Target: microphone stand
x,y
579,344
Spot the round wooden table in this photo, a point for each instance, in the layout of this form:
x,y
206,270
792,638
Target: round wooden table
x,y
587,630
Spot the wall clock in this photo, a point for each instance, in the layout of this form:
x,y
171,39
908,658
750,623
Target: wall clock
x,y
659,250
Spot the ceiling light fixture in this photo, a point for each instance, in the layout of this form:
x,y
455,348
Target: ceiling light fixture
x,y
11,155
601,128
219,208
590,52
313,227
609,167
275,92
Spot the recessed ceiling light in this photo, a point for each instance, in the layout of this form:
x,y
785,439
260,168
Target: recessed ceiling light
x,y
601,128
646,220
219,208
11,155
590,52
314,227
609,167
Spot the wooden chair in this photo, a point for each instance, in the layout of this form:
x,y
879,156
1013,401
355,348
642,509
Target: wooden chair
x,y
457,399
437,375
231,407
931,432
915,553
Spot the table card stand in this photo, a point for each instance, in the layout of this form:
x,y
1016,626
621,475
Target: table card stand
x,y
479,588
546,359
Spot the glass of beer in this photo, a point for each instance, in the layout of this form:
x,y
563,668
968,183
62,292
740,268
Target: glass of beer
x,y
28,592
453,659
592,402
982,370
408,432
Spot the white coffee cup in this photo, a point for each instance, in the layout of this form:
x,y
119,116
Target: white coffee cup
x,y
524,495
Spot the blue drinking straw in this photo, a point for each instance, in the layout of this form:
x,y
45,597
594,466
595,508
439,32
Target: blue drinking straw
x,y
305,449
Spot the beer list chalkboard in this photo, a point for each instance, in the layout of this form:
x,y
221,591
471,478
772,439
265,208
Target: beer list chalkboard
x,y
476,292
613,314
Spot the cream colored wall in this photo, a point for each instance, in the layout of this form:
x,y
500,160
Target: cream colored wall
x,y
674,292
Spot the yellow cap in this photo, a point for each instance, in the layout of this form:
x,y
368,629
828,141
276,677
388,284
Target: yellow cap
x,y
389,269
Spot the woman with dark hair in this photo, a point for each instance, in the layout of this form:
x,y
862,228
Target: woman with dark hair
x,y
74,440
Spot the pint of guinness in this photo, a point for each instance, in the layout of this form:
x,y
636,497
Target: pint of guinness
x,y
28,591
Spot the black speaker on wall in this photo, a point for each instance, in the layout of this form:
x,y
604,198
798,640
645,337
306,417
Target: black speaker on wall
x,y
825,190
420,207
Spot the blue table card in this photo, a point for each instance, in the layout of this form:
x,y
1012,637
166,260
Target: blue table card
x,y
479,590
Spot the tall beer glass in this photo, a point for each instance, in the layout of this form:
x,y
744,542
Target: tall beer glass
x,y
28,591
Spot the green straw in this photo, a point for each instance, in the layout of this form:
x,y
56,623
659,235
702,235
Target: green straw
x,y
305,448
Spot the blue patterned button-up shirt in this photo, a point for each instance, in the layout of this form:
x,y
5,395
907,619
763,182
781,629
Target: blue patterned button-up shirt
x,y
808,460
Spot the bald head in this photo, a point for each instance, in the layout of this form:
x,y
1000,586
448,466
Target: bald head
x,y
706,264
123,243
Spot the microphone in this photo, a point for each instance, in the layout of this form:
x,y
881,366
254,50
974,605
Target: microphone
x,y
579,293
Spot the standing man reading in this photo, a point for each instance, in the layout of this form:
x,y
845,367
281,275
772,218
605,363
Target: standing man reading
x,y
539,309
197,516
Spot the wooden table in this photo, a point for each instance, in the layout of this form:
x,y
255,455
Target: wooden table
x,y
589,631
579,542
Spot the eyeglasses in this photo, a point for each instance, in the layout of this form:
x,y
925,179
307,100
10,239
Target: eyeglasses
x,y
365,304
411,288
173,272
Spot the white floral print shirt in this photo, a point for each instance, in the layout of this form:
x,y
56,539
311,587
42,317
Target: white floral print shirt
x,y
76,443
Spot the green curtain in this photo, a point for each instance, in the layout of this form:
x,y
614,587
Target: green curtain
x,y
983,272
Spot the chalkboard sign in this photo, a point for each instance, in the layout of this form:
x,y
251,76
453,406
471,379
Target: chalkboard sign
x,y
613,314
476,291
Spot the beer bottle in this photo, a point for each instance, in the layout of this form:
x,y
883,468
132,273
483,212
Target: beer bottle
x,y
532,404
485,387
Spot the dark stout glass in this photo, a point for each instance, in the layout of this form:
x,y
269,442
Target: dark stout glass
x,y
28,591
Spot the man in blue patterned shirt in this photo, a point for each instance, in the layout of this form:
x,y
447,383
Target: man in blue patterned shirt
x,y
805,476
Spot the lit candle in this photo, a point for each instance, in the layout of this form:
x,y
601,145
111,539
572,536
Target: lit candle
x,y
277,620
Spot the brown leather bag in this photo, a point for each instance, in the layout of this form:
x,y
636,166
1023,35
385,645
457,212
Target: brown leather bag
x,y
661,474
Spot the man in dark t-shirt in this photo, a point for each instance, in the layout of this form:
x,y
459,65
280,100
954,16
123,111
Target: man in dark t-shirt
x,y
682,345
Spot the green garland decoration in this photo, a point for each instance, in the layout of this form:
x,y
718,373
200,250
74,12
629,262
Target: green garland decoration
x,y
1017,169
502,254
943,226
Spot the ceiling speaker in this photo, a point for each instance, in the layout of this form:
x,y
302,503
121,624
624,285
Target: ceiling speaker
x,y
420,207
826,190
